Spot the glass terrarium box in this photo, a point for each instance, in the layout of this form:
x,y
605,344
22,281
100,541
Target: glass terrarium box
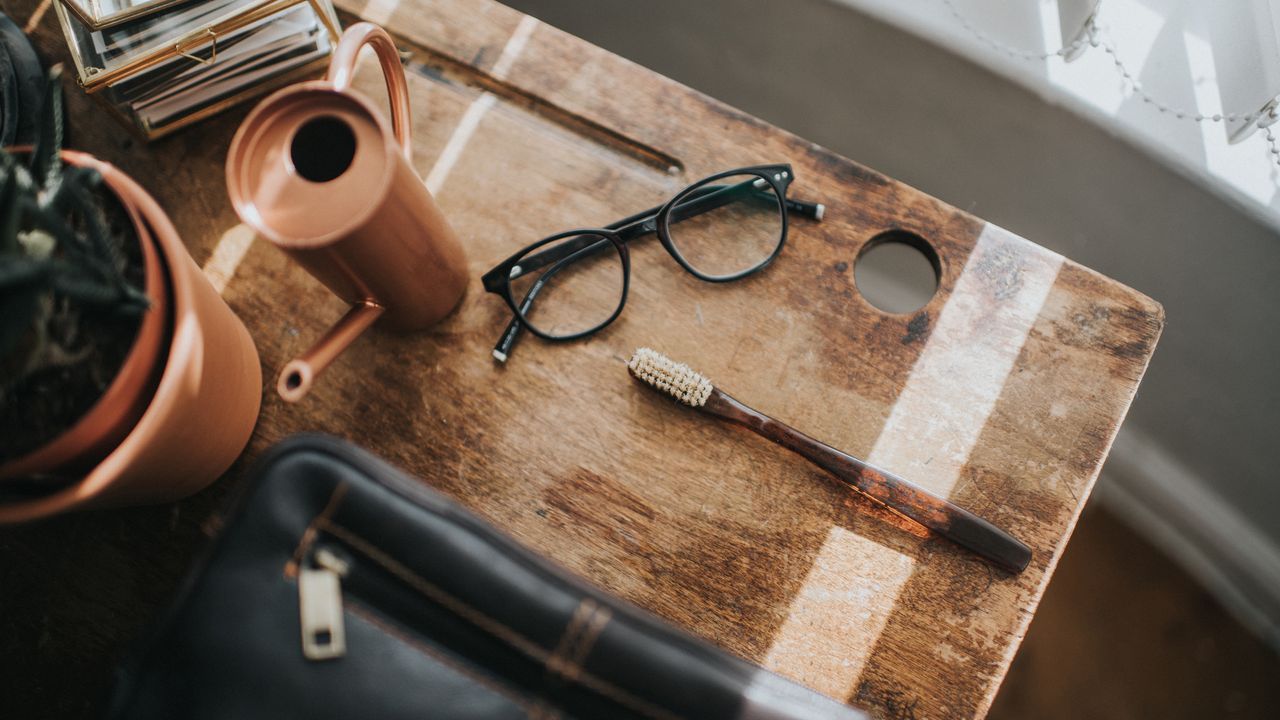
x,y
163,64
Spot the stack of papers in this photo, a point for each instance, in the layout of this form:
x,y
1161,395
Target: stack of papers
x,y
167,65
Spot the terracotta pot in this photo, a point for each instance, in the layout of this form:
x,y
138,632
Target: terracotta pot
x,y
114,414
317,170
206,403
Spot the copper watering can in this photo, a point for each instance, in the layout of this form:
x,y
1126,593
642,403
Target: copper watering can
x,y
316,170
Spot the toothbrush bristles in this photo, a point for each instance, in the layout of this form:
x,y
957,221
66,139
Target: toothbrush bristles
x,y
675,379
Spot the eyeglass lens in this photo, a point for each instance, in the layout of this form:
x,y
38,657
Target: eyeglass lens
x,y
727,226
577,283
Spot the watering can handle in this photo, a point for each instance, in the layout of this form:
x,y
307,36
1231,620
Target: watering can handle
x,y
343,67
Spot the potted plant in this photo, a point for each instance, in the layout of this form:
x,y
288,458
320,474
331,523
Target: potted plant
x,y
124,377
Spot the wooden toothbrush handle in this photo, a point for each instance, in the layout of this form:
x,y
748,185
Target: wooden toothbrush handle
x,y
937,514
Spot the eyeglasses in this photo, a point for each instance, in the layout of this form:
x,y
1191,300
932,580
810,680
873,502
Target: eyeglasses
x,y
719,229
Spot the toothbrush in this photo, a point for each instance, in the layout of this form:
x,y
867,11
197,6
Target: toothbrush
x,y
951,521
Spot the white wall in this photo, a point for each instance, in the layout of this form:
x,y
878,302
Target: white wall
x,y
1200,440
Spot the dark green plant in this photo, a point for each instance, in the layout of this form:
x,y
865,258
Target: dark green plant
x,y
58,259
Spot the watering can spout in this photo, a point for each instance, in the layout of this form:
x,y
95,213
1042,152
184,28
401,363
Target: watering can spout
x,y
298,376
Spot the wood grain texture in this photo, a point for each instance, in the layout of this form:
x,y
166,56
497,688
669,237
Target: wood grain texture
x,y
696,521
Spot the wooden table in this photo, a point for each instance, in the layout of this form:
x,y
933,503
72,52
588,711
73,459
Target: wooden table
x,y
1004,392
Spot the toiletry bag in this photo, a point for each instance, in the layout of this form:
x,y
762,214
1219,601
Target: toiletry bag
x,y
343,588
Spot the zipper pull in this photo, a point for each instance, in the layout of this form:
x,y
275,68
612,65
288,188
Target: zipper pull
x,y
320,604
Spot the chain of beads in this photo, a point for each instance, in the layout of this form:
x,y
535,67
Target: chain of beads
x,y
1271,140
1093,38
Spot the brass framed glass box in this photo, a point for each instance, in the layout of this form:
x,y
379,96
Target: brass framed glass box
x,y
163,64
105,13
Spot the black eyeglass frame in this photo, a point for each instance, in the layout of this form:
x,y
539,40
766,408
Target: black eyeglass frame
x,y
656,220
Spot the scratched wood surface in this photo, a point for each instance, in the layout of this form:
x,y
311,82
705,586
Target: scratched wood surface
x,y
1004,392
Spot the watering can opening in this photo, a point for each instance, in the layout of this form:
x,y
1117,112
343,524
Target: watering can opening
x,y
311,166
323,148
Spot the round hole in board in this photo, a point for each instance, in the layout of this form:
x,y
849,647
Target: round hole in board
x,y
323,148
897,271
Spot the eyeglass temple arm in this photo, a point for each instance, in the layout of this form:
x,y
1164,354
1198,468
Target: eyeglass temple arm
x,y
703,200
502,350
804,208
716,196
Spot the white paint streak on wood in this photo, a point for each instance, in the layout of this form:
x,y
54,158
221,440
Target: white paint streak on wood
x,y
466,128
227,256
853,585
515,45
458,141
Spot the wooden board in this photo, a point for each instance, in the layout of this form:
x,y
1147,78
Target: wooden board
x,y
1004,392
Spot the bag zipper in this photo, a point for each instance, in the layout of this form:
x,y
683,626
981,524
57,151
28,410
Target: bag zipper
x,y
324,634
327,563
327,579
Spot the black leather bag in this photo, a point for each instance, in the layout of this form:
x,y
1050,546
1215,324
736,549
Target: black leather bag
x,y
344,589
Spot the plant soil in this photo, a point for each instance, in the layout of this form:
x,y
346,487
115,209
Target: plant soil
x,y
50,400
